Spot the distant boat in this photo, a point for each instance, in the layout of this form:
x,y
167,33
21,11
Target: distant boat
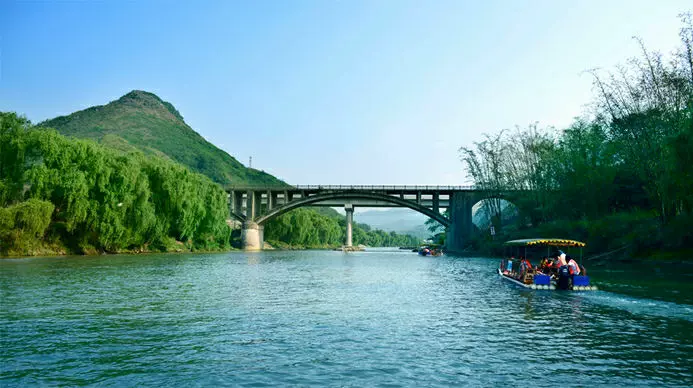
x,y
427,251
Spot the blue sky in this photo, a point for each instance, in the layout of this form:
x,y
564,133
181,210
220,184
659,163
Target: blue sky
x,y
329,92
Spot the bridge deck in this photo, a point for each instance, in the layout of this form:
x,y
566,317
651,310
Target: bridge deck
x,y
407,189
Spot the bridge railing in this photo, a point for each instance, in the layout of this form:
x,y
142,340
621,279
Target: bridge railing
x,y
381,187
356,187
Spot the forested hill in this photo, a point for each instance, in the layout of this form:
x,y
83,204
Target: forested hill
x,y
141,120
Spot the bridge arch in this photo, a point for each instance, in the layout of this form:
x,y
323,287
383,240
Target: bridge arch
x,y
237,216
485,209
349,196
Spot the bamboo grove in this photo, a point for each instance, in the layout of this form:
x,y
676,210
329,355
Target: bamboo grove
x,y
627,163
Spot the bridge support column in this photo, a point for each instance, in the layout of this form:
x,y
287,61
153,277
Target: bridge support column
x,y
252,236
249,205
271,200
461,227
232,202
238,202
257,204
349,209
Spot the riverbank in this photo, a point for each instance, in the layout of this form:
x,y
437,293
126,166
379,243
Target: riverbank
x,y
620,236
47,249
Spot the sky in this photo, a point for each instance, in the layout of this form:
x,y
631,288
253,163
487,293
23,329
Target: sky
x,y
329,92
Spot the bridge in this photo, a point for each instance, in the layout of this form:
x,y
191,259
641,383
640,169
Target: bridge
x,y
254,206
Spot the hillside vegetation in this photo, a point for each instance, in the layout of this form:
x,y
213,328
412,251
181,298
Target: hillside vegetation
x,y
141,120
133,191
324,227
76,196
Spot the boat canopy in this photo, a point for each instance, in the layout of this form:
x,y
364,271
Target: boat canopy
x,y
556,242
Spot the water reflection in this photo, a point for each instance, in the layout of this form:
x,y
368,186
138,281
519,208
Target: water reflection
x,y
323,318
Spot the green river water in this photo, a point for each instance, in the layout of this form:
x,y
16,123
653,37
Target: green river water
x,y
322,318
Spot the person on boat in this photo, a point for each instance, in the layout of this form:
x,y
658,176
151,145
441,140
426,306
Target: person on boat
x,y
527,263
564,276
556,262
525,266
573,266
545,265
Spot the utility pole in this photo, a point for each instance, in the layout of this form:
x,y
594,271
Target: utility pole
x,y
250,162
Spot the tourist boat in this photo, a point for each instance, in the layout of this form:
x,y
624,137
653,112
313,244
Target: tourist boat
x,y
514,266
430,251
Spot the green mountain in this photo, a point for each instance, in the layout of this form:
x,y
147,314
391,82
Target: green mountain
x,y
141,120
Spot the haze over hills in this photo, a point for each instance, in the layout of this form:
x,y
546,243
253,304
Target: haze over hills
x,y
141,120
407,221
400,220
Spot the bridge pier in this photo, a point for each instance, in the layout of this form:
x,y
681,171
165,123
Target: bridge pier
x,y
252,236
349,209
460,230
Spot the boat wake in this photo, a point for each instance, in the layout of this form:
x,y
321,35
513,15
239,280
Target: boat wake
x,y
641,306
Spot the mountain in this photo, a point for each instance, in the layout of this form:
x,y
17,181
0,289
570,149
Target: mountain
x,y
141,120
400,220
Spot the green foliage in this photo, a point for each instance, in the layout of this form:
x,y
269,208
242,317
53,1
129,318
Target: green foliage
x,y
11,156
104,199
306,227
624,176
380,238
141,201
23,224
141,120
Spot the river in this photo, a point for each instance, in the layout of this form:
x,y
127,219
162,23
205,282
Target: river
x,y
322,318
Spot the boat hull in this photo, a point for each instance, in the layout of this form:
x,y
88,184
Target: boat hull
x,y
551,287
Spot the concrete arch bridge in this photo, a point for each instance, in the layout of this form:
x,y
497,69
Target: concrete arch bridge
x,y
254,206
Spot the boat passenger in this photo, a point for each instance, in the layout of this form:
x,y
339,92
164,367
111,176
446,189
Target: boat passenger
x,y
527,263
525,266
573,266
545,265
556,262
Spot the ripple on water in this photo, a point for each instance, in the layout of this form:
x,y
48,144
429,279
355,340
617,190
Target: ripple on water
x,y
323,318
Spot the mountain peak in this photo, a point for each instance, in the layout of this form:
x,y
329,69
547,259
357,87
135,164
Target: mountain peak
x,y
140,94
148,101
